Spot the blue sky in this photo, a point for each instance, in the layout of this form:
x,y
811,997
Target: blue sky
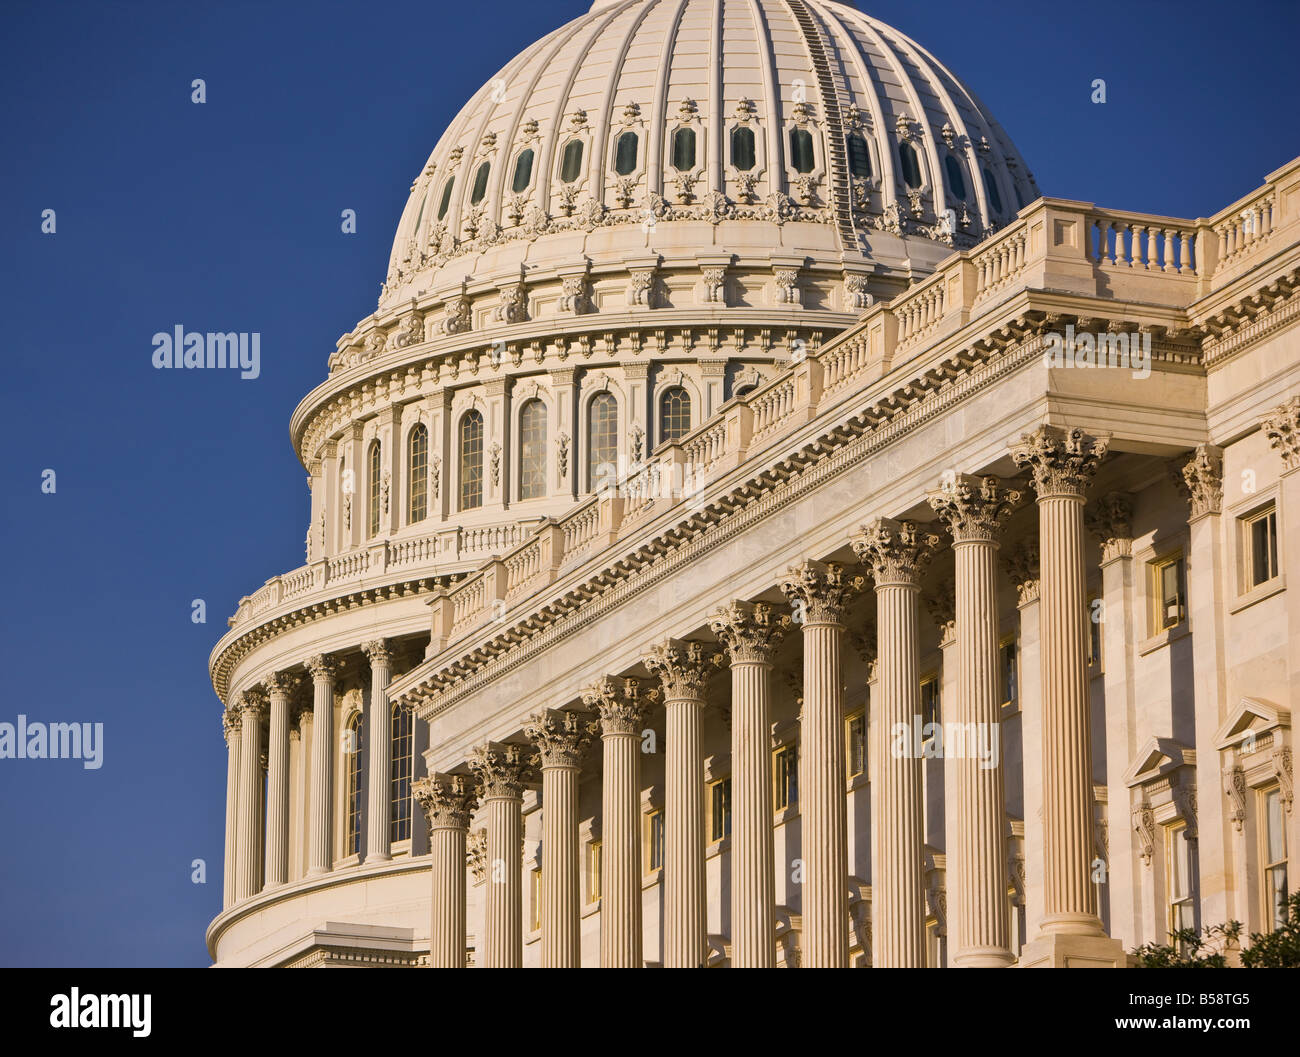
x,y
173,486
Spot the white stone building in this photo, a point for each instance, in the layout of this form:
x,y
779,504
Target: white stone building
x,y
734,399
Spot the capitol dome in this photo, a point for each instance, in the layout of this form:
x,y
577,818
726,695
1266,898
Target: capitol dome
x,y
796,127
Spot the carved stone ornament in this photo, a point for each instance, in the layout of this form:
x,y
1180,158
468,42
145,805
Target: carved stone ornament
x,y
1234,788
561,738
897,551
1021,565
1144,826
1282,427
1203,475
619,703
1111,521
499,770
974,508
447,799
749,630
1062,461
456,318
820,592
562,455
681,667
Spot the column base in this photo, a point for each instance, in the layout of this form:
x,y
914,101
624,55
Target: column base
x,y
983,958
1066,951
371,859
318,871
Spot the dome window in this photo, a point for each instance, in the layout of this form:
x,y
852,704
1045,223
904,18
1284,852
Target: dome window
x,y
911,165
625,154
480,184
956,178
571,165
801,150
471,460
859,156
446,197
523,171
991,187
742,147
684,149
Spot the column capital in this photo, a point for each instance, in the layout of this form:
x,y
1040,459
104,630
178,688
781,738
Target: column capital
x,y
322,667
560,737
252,702
280,683
1062,460
681,667
499,770
897,551
942,604
230,722
748,630
1110,519
1202,476
378,651
820,591
1022,567
974,508
620,704
1282,427
447,799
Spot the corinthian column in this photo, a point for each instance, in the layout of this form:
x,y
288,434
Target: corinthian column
x,y
248,855
974,510
897,553
230,727
680,668
448,801
278,687
1063,462
321,812
819,594
621,707
751,634
560,738
379,792
499,773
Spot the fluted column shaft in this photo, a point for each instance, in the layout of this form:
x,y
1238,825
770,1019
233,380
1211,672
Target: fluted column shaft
x,y
560,738
277,783
447,801
897,552
234,747
320,840
750,634
499,771
680,667
380,787
248,855
818,593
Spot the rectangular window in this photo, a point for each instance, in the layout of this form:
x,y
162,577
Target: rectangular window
x,y
1260,539
1095,614
535,897
719,810
930,704
654,841
785,776
1181,900
1168,593
1008,663
593,871
855,743
1276,889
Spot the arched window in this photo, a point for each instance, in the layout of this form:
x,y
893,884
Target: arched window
x,y
956,176
352,757
446,197
859,156
375,469
480,184
571,163
471,460
625,153
684,149
400,763
674,414
523,171
417,474
532,450
602,439
742,147
911,165
801,150
991,189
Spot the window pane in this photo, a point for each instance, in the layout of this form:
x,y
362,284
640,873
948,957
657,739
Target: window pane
x,y
375,471
571,167
418,475
523,171
956,176
471,460
859,156
911,165
625,154
446,197
602,439
352,747
532,450
480,184
400,761
801,150
1275,830
742,148
674,414
857,739
684,149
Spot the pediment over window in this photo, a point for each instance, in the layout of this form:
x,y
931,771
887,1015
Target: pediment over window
x,y
1157,757
1252,715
